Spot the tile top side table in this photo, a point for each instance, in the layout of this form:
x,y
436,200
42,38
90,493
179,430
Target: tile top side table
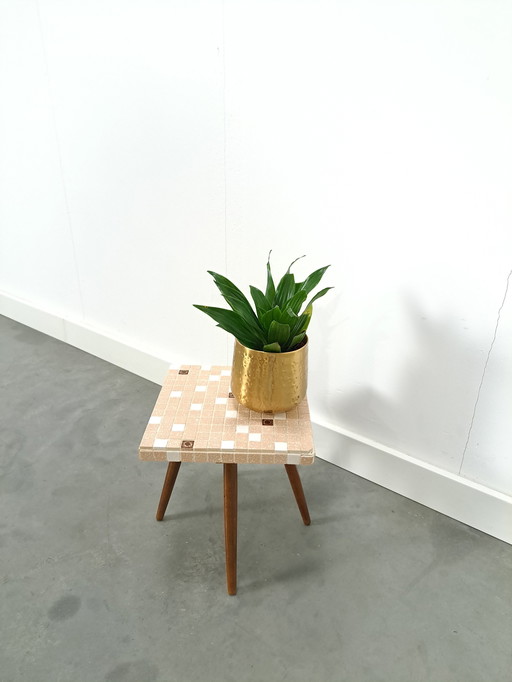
x,y
197,419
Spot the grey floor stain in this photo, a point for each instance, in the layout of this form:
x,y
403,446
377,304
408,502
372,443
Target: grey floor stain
x,y
136,671
65,607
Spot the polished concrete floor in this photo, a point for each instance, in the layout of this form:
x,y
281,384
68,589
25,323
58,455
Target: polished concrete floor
x,y
378,588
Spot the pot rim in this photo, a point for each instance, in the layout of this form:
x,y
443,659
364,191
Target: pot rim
x,y
267,352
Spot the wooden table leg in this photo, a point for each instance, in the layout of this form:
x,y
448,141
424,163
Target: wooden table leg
x,y
170,479
293,475
230,522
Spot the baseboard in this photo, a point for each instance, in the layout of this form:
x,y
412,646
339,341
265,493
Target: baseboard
x,y
452,495
98,342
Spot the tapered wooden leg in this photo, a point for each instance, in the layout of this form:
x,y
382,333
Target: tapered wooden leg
x,y
230,522
170,479
293,475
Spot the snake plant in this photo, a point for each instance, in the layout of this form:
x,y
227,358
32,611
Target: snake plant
x,y
275,324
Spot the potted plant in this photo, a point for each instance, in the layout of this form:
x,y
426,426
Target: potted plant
x,y
270,356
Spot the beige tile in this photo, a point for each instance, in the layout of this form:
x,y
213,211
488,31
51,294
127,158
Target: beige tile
x,y
175,441
173,456
267,441
147,440
146,455
210,426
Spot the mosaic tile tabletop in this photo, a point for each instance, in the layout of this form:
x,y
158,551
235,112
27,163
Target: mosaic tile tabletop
x,y
197,419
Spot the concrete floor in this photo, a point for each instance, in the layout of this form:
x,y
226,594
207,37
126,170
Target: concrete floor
x,y
378,588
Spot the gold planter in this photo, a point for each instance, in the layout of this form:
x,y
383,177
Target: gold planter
x,y
269,382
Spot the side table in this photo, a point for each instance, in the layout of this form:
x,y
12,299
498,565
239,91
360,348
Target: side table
x,y
197,419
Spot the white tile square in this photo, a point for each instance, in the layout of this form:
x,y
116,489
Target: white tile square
x,y
231,414
280,446
255,437
293,458
178,427
242,429
206,367
225,373
196,407
221,401
155,420
173,455
227,444
175,394
200,389
280,415
214,377
160,442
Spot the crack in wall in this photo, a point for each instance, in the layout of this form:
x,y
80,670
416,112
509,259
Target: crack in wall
x,y
58,148
484,371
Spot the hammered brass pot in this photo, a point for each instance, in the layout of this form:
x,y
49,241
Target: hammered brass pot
x,y
269,382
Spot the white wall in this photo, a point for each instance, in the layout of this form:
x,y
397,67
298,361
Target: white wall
x,y
112,142
143,143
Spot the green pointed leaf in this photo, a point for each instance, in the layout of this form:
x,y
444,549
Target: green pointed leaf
x,y
317,296
276,313
305,325
285,316
272,347
278,332
302,322
233,323
297,300
270,291
294,261
282,316
260,300
266,319
313,279
297,340
234,297
285,290
239,303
